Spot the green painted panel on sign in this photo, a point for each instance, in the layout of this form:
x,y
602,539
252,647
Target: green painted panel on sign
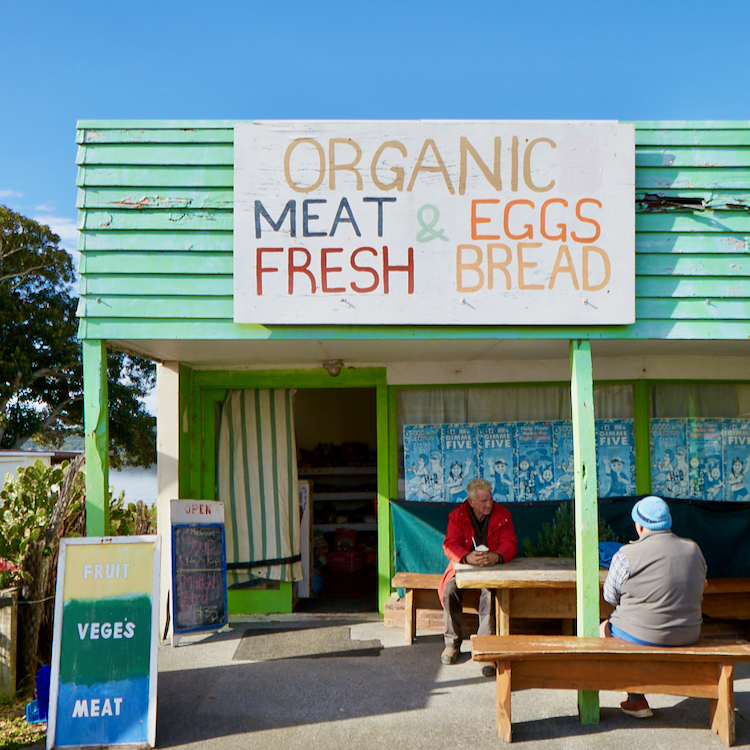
x,y
105,640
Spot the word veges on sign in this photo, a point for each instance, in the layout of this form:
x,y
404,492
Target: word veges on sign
x,y
434,222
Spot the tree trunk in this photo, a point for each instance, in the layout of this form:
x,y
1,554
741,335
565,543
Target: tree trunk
x,y
32,600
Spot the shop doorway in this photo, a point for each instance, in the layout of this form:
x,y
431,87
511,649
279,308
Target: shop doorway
x,y
336,432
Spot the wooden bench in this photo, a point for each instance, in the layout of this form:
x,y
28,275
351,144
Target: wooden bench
x,y
422,593
705,670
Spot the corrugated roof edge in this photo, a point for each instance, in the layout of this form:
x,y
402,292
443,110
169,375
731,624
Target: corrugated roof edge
x,y
163,124
156,124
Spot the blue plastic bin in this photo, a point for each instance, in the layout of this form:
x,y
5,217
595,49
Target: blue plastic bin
x,y
36,711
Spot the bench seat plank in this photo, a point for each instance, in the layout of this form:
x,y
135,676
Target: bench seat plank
x,y
494,647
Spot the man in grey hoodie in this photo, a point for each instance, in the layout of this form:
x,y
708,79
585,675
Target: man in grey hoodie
x,y
656,585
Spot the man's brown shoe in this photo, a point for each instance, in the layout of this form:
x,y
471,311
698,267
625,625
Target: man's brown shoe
x,y
449,655
637,709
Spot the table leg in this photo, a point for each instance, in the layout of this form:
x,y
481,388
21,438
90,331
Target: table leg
x,y
502,611
410,617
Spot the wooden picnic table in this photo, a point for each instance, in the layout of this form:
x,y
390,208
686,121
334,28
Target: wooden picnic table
x,y
545,587
533,587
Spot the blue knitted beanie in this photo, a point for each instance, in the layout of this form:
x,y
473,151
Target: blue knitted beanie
x,y
652,513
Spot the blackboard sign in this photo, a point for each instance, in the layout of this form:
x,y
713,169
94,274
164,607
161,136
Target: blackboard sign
x,y
199,571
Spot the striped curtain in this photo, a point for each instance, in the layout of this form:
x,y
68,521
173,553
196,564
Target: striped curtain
x,y
257,482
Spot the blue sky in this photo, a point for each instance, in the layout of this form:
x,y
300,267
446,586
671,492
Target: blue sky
x,y
656,60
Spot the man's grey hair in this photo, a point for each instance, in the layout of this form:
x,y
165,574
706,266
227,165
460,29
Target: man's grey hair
x,y
475,485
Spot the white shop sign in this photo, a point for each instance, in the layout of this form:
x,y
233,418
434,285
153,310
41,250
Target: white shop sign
x,y
430,222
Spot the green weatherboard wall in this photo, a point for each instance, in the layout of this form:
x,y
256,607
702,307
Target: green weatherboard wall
x,y
156,205
156,216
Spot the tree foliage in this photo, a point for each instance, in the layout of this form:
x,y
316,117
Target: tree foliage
x,y
41,370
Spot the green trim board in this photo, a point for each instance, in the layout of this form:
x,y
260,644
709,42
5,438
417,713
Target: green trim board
x,y
586,511
385,569
96,430
261,601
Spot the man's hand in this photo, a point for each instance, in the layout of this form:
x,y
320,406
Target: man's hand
x,y
482,559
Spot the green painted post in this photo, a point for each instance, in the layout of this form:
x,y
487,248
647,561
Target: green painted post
x,y
586,512
95,408
384,509
642,437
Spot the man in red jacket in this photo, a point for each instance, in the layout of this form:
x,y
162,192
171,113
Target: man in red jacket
x,y
480,532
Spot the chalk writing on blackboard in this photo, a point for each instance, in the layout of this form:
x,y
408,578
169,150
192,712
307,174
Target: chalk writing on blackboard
x,y
199,565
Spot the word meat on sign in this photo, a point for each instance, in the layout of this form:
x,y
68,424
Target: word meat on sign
x,y
429,222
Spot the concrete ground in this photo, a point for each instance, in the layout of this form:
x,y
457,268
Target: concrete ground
x,y
400,698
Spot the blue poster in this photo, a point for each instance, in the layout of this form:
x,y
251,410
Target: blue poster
x,y
615,457
736,459
564,468
535,472
459,460
496,465
668,457
705,459
423,462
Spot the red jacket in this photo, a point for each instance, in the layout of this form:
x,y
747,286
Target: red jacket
x,y
501,537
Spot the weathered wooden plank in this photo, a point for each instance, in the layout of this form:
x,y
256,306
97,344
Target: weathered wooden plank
x,y
692,309
169,220
156,176
203,308
693,137
691,124
219,242
693,242
162,155
697,221
692,265
731,330
179,263
156,124
686,156
160,198
645,242
664,286
162,285
216,219
651,178
715,199
155,135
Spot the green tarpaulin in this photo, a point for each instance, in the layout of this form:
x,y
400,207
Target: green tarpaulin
x,y
721,529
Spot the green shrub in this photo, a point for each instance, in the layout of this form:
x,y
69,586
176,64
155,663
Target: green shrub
x,y
558,537
28,502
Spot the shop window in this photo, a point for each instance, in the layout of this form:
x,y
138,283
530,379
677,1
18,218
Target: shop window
x,y
700,441
518,438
